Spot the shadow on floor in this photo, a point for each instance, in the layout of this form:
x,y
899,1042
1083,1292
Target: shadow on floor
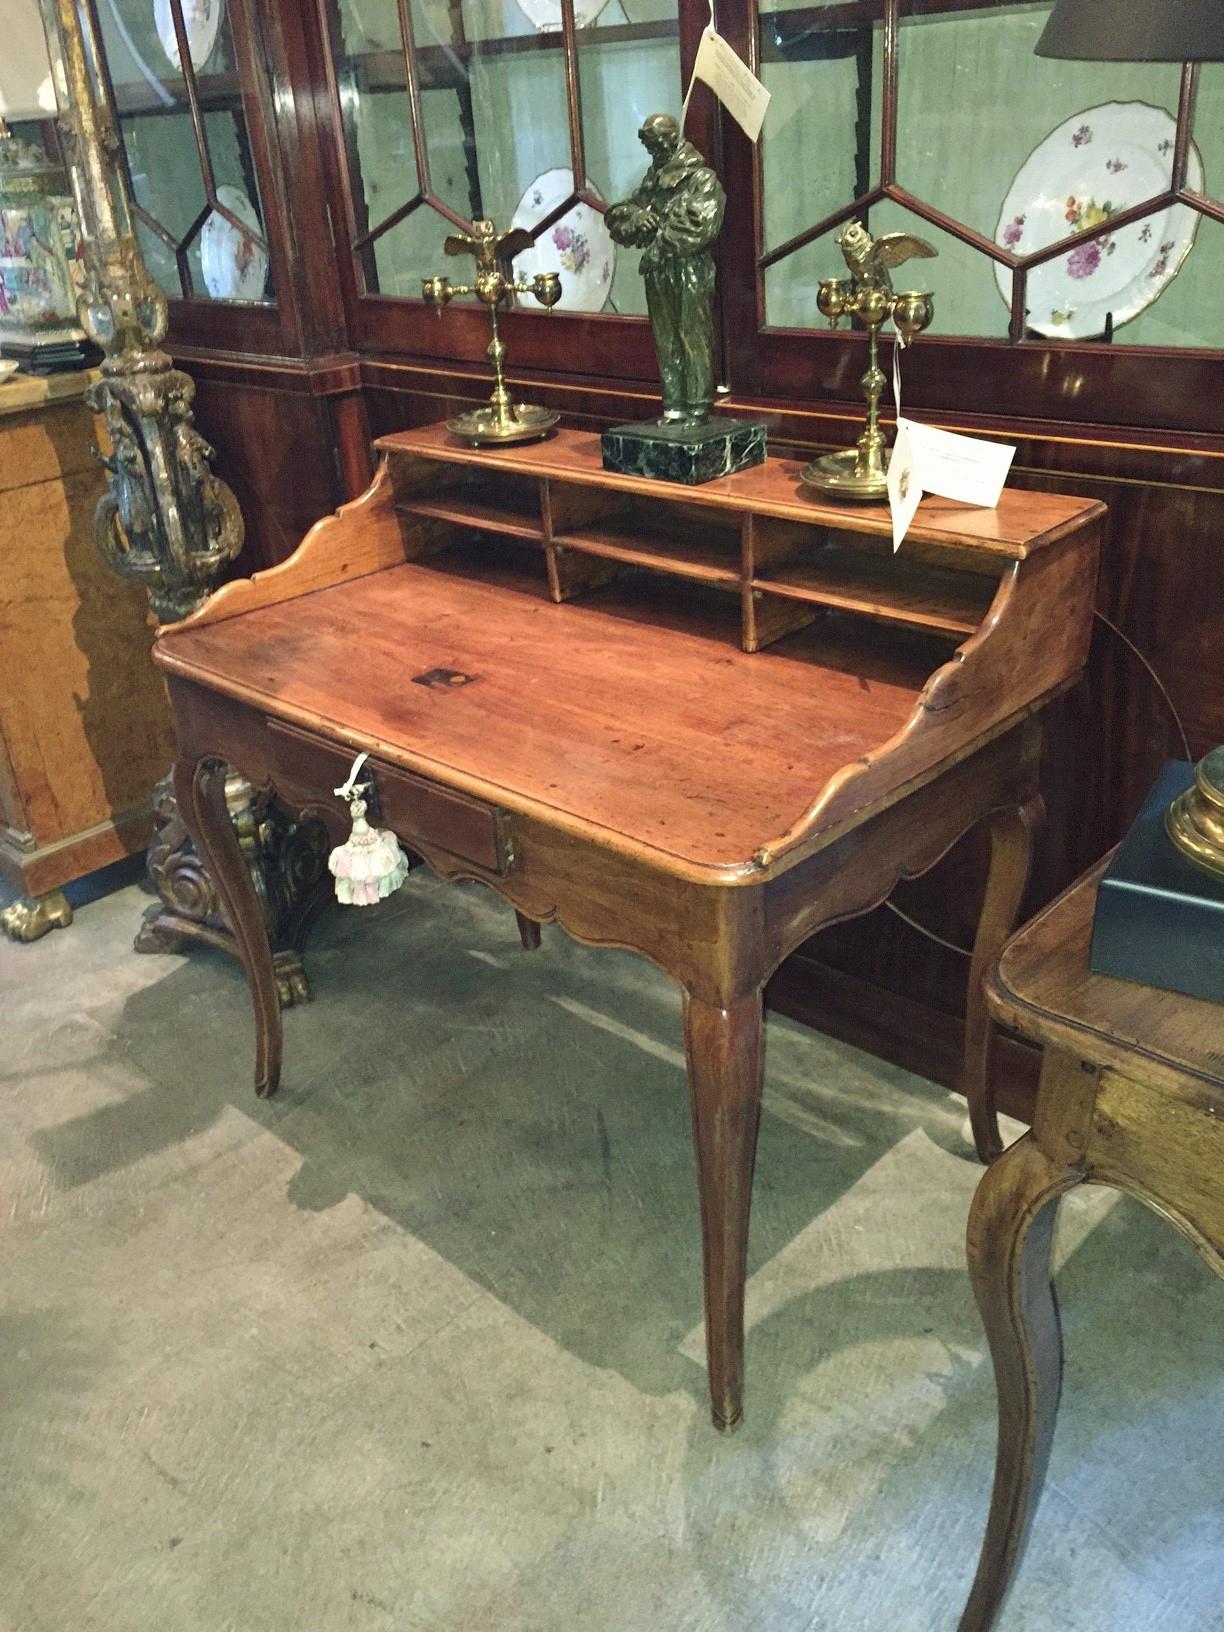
x,y
524,1115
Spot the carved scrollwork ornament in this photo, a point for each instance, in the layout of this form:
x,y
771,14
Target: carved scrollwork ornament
x,y
287,863
123,311
165,521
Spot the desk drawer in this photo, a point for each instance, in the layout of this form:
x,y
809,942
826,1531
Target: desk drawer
x,y
412,806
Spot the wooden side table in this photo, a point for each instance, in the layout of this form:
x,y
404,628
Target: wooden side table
x,y
1131,1095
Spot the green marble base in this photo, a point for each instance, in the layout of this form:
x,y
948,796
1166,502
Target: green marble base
x,y
691,454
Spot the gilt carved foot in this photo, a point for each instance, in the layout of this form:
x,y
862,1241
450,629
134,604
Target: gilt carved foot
x,y
32,917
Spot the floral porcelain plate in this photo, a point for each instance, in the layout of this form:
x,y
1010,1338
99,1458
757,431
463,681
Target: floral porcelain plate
x,y
577,246
202,21
234,264
1095,164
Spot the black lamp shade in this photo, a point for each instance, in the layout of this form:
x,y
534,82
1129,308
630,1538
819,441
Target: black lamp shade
x,y
1135,31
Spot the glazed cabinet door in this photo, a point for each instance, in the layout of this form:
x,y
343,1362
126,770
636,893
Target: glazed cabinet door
x,y
196,85
525,112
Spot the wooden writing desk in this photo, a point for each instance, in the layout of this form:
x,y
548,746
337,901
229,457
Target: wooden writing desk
x,y
561,678
1131,1095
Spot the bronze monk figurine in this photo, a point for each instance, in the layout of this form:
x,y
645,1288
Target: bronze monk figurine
x,y
674,216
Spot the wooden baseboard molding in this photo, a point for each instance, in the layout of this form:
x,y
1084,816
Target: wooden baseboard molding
x,y
49,866
898,1029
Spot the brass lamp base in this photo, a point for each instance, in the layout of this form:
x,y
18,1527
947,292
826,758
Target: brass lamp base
x,y
841,476
489,424
1195,819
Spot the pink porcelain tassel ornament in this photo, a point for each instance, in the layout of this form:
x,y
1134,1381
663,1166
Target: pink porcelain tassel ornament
x,y
370,864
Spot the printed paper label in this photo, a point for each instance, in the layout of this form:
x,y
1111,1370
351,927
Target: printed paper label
x,y
958,467
904,489
733,83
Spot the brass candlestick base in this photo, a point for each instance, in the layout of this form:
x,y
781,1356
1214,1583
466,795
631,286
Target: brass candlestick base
x,y
515,422
503,419
861,472
854,473
1195,819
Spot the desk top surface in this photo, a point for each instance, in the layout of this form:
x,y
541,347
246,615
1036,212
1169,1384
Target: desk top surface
x,y
618,715
1045,989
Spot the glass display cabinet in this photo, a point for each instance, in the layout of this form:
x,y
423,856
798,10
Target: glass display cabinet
x,y
211,145
524,112
1074,206
1090,218
903,137
187,141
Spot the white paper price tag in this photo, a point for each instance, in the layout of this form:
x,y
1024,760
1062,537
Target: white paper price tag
x,y
958,467
928,460
904,490
733,83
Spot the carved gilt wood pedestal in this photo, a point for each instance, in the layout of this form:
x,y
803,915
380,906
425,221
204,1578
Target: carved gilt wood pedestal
x,y
165,521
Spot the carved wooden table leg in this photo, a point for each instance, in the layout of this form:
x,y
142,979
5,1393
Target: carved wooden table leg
x,y
1013,833
1130,1096
725,1054
288,863
1011,1226
199,787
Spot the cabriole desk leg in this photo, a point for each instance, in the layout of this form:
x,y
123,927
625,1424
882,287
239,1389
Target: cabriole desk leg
x,y
724,1051
1011,1225
529,932
199,787
1013,832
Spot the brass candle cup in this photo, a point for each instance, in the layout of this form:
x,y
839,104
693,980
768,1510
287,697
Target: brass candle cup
x,y
546,287
913,311
833,297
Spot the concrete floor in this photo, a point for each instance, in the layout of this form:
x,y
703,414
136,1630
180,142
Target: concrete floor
x,y
418,1344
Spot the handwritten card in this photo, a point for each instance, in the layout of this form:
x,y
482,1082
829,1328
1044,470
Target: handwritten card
x,y
733,83
928,460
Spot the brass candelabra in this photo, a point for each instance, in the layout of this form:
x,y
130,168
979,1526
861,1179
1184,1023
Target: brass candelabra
x,y
861,472
502,419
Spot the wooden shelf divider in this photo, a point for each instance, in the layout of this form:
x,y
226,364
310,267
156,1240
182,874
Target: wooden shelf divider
x,y
791,559
898,591
682,554
465,512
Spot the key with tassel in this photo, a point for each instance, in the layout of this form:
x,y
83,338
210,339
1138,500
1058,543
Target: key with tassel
x,y
369,865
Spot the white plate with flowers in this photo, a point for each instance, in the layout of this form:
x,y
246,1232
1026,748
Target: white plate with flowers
x,y
234,262
1096,164
577,246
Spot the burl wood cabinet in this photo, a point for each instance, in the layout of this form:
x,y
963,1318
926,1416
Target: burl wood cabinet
x,y
84,728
